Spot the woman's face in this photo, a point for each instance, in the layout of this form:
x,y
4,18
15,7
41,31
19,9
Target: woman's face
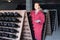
x,y
36,6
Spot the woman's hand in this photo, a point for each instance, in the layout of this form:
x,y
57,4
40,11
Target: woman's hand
x,y
37,21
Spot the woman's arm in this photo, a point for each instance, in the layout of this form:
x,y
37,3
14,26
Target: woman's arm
x,y
42,18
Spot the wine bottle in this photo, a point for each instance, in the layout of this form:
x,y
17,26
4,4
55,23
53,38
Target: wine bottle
x,y
8,30
12,19
15,20
5,24
3,35
11,25
8,35
11,14
12,36
13,31
1,24
1,14
8,14
5,14
4,39
1,29
17,14
9,19
2,19
14,25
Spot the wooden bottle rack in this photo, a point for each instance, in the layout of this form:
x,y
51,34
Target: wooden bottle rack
x,y
24,28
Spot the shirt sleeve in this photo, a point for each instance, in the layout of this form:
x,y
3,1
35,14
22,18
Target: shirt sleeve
x,y
42,18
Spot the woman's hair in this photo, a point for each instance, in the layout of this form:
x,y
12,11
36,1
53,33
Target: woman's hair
x,y
37,3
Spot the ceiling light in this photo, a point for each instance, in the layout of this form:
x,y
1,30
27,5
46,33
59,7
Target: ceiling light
x,y
9,0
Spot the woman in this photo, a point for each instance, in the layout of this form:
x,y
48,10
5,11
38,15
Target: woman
x,y
38,19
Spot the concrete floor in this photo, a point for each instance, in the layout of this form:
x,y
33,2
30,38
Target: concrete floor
x,y
54,36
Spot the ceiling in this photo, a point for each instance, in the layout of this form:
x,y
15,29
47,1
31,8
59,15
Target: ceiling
x,y
24,1
21,1
48,1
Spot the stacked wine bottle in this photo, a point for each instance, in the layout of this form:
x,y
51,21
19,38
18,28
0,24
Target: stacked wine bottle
x,y
52,18
9,25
